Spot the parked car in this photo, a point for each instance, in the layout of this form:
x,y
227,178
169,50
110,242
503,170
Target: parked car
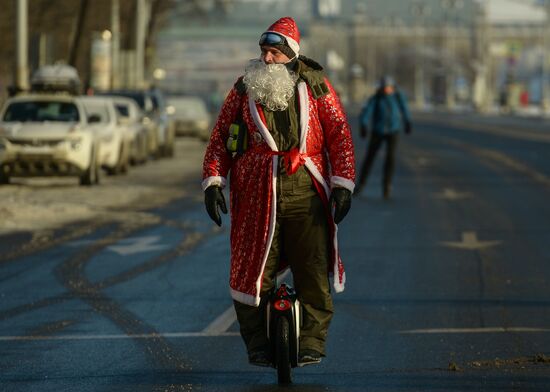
x,y
102,119
130,118
190,117
47,135
151,102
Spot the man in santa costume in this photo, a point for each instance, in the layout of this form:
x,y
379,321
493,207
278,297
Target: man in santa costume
x,y
289,188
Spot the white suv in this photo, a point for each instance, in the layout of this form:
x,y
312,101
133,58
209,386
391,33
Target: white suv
x,y
102,120
47,135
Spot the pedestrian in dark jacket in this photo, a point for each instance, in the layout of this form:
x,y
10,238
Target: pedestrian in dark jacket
x,y
385,114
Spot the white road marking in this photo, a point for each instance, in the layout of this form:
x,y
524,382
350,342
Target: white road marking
x,y
470,242
222,323
137,245
231,334
118,336
473,330
451,194
129,246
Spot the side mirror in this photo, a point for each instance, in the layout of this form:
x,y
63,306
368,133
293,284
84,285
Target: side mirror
x,y
94,118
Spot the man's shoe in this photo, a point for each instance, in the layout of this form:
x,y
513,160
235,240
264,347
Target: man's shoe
x,y
259,358
308,357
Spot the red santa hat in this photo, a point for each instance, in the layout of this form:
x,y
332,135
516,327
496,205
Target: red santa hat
x,y
287,29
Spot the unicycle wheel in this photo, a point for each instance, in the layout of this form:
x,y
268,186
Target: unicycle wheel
x,y
283,351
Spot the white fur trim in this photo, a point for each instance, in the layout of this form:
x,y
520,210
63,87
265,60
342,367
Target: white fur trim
x,y
338,286
213,180
304,115
244,298
342,182
272,222
271,143
317,175
260,125
291,42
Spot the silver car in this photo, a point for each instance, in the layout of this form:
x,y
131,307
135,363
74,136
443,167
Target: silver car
x,y
102,119
190,116
130,118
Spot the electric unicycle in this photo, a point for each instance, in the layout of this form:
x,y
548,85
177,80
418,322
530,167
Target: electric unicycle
x,y
283,331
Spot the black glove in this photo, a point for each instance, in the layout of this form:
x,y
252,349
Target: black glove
x,y
341,198
213,198
363,130
408,127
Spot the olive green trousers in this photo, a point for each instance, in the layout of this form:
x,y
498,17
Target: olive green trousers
x,y
301,237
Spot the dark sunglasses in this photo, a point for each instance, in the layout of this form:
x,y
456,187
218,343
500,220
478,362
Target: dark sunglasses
x,y
272,39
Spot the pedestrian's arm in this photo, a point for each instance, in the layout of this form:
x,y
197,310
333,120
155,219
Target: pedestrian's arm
x,y
365,117
366,113
217,160
339,143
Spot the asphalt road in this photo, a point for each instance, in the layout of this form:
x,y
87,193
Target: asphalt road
x,y
448,284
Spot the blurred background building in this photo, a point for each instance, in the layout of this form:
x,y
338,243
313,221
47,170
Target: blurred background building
x,y
442,52
456,53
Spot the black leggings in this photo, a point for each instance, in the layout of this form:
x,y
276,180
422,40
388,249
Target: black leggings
x,y
389,165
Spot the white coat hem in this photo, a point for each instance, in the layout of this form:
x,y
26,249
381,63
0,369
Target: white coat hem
x,y
244,298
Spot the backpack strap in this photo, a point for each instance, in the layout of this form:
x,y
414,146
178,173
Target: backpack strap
x,y
240,86
313,75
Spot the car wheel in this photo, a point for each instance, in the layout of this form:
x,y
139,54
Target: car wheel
x,y
91,174
170,140
124,160
4,178
168,150
121,165
143,150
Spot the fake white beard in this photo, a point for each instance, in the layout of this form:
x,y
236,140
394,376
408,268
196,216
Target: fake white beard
x,y
271,85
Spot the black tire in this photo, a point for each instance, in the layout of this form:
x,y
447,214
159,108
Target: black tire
x,y
121,166
169,150
4,178
144,154
170,140
124,161
154,148
282,351
91,175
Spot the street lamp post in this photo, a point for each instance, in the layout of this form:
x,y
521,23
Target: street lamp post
x,y
545,90
419,10
451,7
142,19
482,93
115,44
21,81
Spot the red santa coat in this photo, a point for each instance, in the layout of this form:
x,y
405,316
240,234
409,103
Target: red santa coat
x,y
326,145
